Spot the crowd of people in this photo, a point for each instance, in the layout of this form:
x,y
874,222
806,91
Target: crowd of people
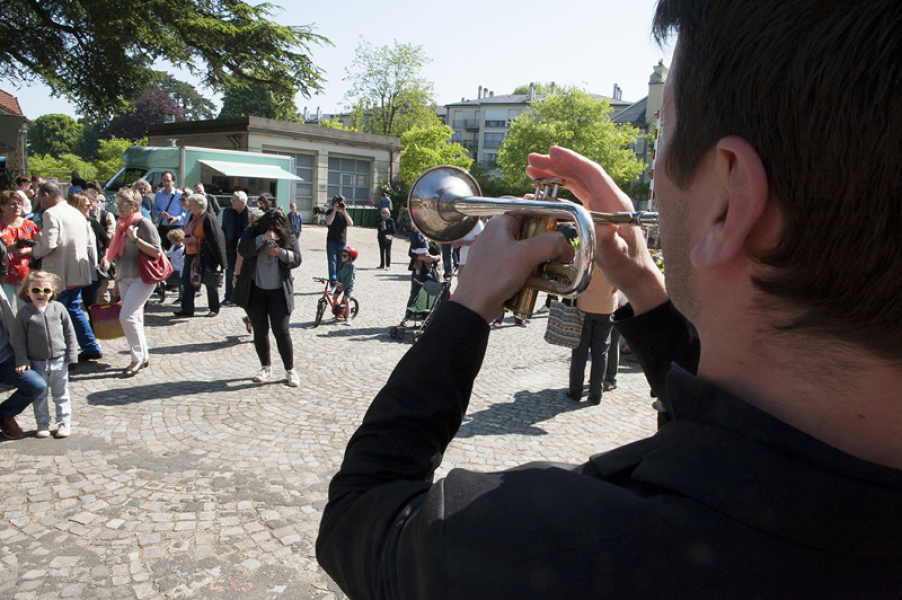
x,y
63,257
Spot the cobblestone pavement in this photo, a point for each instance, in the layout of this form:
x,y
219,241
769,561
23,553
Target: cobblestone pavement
x,y
191,481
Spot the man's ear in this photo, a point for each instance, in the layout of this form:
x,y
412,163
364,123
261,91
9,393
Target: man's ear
x,y
740,192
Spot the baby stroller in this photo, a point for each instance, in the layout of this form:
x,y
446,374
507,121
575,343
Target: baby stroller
x,y
431,295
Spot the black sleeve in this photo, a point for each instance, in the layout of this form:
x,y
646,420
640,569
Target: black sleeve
x,y
216,240
4,261
658,339
390,460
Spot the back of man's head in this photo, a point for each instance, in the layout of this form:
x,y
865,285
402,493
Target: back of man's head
x,y
51,189
814,87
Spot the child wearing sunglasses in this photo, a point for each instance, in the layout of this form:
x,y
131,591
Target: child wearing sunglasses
x,y
44,340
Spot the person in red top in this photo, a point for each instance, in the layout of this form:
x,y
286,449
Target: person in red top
x,y
13,227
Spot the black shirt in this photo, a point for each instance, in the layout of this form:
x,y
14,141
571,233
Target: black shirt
x,y
338,229
725,502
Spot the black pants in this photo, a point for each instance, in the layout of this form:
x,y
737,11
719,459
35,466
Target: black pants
x,y
384,253
265,308
231,259
188,289
597,338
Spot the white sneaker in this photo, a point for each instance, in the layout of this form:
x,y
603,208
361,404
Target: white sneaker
x,y
43,430
293,379
63,430
263,375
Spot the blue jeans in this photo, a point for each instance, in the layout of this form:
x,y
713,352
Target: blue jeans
x,y
29,387
71,299
333,251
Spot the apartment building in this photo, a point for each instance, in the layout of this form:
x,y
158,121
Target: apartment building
x,y
480,125
644,115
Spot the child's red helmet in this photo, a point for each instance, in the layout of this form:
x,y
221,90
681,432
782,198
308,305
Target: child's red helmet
x,y
352,252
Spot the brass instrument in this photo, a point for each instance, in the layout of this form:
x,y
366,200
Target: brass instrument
x,y
446,202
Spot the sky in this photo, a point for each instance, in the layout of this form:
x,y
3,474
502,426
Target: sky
x,y
499,45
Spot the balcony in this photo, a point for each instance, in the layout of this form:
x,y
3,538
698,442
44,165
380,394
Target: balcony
x,y
501,123
469,124
470,144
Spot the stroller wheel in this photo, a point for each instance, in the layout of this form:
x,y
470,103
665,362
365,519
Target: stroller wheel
x,y
393,332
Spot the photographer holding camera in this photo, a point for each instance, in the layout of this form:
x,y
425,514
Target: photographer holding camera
x,y
265,289
337,220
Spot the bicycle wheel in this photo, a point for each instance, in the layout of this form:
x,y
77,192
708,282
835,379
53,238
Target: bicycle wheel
x,y
353,307
320,311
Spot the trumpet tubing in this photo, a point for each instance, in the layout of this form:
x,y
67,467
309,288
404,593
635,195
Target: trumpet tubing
x,y
445,203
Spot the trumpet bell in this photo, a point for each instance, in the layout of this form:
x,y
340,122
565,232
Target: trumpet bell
x,y
431,203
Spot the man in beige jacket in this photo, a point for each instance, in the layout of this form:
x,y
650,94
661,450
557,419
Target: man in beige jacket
x,y
63,250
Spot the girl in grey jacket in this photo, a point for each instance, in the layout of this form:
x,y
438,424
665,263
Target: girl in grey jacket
x,y
44,340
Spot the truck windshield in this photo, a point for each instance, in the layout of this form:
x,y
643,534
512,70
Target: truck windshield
x,y
126,176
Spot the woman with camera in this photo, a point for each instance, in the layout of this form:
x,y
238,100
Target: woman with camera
x,y
265,289
18,233
337,220
204,243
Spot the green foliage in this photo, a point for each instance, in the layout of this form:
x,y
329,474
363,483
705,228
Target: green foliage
x,y
574,119
334,123
388,96
491,185
427,148
109,160
539,88
68,45
54,135
45,165
260,100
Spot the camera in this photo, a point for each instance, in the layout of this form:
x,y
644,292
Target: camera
x,y
341,205
25,243
272,244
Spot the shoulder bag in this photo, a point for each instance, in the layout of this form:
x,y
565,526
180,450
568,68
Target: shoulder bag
x,y
208,276
565,325
153,270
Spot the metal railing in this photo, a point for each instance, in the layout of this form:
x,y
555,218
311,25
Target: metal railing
x,y
496,123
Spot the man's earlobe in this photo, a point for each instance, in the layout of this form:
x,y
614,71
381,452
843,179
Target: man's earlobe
x,y
739,184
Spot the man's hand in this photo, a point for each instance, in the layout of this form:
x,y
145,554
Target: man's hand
x,y
164,215
22,368
621,253
499,265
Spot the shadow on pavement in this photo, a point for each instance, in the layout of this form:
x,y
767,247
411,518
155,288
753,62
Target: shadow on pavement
x,y
228,342
157,391
519,416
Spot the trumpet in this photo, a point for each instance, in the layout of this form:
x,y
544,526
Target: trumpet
x,y
445,203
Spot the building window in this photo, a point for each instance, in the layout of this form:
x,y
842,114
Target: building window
x,y
350,178
493,139
488,160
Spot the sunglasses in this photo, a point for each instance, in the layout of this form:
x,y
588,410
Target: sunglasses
x,y
37,290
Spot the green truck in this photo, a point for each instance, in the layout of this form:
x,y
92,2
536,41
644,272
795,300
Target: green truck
x,y
221,171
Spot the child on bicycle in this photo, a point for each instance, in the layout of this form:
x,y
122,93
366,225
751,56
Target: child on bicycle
x,y
344,275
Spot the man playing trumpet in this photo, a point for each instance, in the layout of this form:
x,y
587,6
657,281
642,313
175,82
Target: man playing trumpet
x,y
780,200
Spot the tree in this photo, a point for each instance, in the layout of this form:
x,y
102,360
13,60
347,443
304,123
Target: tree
x,y
538,88
388,96
109,160
574,119
149,108
427,148
258,100
54,135
194,106
97,53
45,165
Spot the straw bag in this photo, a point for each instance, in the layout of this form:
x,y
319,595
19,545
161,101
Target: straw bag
x,y
105,321
565,325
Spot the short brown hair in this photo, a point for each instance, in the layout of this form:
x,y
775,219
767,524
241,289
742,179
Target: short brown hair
x,y
814,87
34,276
176,236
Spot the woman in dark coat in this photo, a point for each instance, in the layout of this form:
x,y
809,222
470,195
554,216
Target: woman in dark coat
x,y
265,289
204,241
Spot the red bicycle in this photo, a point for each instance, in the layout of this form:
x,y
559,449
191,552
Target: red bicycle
x,y
338,308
